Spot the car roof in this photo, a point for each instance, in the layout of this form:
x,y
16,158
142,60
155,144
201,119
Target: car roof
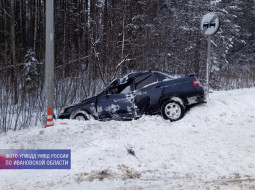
x,y
137,74
157,73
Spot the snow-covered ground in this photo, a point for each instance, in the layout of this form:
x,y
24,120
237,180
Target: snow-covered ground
x,y
212,147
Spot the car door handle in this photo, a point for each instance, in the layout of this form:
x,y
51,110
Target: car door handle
x,y
158,86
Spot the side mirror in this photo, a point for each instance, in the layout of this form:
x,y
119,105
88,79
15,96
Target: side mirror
x,y
106,92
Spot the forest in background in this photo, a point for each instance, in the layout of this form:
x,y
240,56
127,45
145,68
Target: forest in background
x,y
98,40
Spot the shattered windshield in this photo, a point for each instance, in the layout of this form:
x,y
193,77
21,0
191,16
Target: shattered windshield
x,y
117,82
113,83
120,85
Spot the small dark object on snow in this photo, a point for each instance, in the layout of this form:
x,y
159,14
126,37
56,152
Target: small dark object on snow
x,y
131,151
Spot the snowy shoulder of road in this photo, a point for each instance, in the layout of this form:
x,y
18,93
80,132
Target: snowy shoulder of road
x,y
212,147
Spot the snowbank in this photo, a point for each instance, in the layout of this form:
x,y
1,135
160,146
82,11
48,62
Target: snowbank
x,y
212,147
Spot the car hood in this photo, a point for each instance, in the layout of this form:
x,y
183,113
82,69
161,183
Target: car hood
x,y
89,100
83,102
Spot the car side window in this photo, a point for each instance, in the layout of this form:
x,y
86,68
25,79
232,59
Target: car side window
x,y
146,81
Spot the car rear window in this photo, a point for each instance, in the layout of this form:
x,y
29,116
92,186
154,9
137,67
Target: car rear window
x,y
145,80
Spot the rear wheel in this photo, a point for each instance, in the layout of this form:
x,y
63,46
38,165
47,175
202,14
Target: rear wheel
x,y
172,110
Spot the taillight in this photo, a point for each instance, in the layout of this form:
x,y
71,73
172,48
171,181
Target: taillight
x,y
195,83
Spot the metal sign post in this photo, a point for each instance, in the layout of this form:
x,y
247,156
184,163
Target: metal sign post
x,y
209,26
208,65
49,55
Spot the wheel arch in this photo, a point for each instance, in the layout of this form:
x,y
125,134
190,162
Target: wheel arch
x,y
81,111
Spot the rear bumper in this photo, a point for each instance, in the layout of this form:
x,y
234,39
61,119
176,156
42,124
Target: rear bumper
x,y
201,99
195,99
200,96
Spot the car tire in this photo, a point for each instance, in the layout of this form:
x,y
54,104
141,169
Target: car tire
x,y
172,110
81,117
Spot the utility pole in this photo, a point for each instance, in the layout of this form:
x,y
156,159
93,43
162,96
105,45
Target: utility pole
x,y
49,55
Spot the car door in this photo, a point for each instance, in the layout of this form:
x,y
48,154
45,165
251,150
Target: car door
x,y
116,103
148,91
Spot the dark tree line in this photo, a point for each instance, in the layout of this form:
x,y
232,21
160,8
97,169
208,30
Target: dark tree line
x,y
97,40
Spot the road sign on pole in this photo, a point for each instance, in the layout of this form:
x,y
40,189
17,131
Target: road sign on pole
x,y
49,55
209,25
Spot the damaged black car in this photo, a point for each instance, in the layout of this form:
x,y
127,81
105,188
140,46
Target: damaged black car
x,y
139,93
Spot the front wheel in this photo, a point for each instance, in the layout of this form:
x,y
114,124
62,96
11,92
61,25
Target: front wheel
x,y
172,110
81,117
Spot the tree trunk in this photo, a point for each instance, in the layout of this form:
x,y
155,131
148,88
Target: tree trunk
x,y
35,24
13,54
66,29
